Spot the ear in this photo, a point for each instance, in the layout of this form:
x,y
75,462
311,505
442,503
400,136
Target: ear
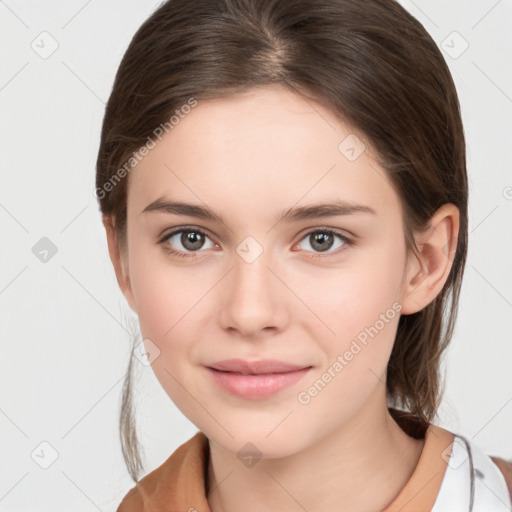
x,y
437,246
119,260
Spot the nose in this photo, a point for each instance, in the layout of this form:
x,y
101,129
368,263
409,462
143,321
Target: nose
x,y
253,300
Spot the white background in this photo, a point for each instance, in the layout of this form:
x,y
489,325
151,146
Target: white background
x,y
65,324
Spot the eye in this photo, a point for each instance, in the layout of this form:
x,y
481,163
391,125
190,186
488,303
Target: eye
x,y
323,239
191,239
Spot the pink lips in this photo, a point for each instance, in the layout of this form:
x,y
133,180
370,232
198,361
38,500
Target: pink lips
x,y
257,379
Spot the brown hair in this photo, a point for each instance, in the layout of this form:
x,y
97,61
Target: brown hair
x,y
368,61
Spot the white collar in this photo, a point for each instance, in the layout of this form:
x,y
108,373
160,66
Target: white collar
x,y
472,482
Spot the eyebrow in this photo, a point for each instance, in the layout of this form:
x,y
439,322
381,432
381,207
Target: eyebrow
x,y
313,211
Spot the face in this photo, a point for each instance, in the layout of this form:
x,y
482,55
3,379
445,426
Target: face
x,y
322,292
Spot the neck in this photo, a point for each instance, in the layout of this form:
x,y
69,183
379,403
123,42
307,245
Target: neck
x,y
336,473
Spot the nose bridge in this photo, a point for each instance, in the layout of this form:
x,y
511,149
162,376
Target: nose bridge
x,y
251,273
251,303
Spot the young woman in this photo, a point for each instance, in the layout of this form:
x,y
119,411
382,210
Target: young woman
x,y
284,191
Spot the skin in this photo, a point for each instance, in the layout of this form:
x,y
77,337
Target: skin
x,y
249,158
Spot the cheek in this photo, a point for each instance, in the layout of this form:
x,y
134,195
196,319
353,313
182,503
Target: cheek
x,y
364,320
167,305
173,305
345,301
156,306
353,316
164,294
160,306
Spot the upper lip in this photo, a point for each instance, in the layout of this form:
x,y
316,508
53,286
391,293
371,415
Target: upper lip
x,y
255,367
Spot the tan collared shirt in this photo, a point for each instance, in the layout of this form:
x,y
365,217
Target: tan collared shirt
x,y
179,484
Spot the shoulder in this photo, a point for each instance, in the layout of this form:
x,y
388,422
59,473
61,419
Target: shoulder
x,y
176,481
475,478
505,466
491,480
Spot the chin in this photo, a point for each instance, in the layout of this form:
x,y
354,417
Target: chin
x,y
256,442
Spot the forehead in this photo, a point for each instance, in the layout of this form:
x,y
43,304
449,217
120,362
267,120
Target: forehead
x,y
266,143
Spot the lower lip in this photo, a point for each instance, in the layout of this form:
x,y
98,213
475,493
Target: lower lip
x,y
256,386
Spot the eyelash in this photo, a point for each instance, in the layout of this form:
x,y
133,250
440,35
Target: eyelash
x,y
348,242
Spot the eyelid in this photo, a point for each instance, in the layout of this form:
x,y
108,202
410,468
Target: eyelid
x,y
178,229
338,231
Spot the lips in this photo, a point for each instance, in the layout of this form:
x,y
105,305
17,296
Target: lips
x,y
255,380
261,367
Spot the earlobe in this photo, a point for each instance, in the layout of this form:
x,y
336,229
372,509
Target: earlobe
x,y
118,261
428,270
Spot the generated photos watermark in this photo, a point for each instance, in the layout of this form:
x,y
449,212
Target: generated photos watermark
x,y
143,151
342,360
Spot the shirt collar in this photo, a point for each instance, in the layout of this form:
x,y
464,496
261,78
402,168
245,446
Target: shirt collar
x,y
180,482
